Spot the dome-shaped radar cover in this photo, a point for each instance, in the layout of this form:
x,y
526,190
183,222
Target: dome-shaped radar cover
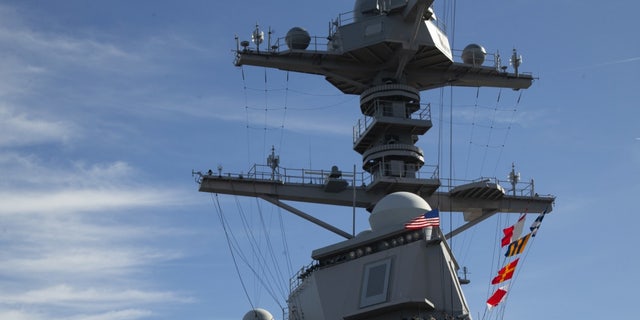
x,y
474,54
258,314
396,209
297,38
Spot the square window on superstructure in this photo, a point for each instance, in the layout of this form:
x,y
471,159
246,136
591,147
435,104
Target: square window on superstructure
x,y
375,283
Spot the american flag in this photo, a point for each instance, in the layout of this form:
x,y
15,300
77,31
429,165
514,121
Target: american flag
x,y
429,219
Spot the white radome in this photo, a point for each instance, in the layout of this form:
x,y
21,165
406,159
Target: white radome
x,y
258,314
396,209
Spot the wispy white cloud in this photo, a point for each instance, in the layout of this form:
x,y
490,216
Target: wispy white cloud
x,y
20,129
127,314
603,64
79,188
84,262
21,314
71,247
31,170
65,295
84,200
58,47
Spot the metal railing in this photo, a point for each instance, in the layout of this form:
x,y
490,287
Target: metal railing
x,y
362,178
493,60
364,123
522,188
407,171
299,176
317,43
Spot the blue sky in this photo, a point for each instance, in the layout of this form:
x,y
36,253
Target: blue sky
x,y
106,107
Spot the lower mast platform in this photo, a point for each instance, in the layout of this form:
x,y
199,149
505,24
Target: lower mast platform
x,y
477,200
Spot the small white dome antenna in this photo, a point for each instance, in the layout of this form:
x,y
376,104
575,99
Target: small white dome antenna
x,y
257,37
516,61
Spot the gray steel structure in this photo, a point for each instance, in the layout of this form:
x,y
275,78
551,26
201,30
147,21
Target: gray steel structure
x,y
388,52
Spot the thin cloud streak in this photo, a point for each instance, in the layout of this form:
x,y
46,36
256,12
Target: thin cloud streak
x,y
87,262
127,314
603,64
83,200
65,295
21,314
60,48
28,186
19,129
29,171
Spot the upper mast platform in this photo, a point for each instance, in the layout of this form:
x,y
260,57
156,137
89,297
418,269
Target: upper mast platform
x,y
395,41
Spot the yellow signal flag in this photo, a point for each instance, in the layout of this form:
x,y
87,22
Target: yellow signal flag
x,y
517,246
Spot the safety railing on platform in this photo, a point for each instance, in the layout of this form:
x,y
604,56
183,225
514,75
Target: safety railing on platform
x,y
363,124
301,176
384,169
362,178
317,43
520,188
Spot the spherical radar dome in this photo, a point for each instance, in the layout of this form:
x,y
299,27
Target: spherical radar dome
x,y
396,209
474,54
258,314
297,38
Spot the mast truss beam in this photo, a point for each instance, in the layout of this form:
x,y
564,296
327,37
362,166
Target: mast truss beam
x,y
306,216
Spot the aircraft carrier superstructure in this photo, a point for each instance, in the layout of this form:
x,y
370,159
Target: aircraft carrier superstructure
x,y
387,52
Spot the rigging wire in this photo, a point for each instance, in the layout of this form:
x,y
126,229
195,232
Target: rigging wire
x,y
264,265
266,106
493,120
451,174
285,244
266,111
284,114
272,255
273,274
473,125
255,249
246,110
233,257
234,243
506,135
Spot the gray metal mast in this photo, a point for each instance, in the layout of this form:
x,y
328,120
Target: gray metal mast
x,y
387,52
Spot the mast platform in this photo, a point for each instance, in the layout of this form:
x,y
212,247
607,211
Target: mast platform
x,y
475,199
